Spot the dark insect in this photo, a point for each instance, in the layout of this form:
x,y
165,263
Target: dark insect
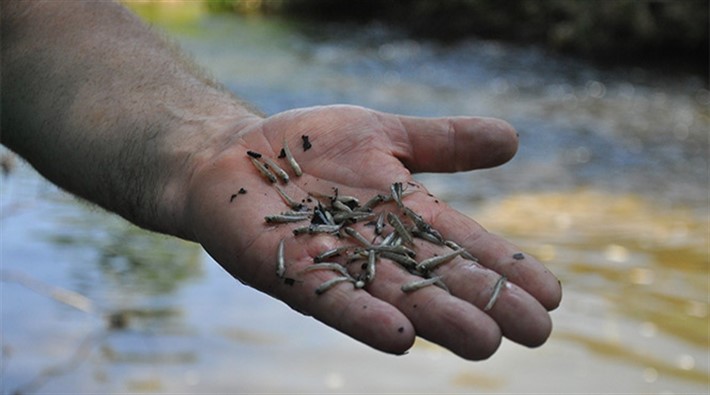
x,y
242,191
282,154
306,144
319,216
519,256
254,154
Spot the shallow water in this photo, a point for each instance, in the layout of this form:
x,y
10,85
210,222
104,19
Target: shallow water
x,y
609,189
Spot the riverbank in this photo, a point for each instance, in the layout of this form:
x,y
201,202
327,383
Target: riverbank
x,y
671,35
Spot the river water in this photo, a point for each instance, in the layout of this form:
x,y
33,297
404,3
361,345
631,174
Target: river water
x,y
609,189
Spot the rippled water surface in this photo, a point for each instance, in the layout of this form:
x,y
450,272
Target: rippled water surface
x,y
609,189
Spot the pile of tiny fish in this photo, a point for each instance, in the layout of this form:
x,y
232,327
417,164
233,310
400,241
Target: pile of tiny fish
x,y
336,213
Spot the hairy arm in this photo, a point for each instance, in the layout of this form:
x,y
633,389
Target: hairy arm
x,y
105,108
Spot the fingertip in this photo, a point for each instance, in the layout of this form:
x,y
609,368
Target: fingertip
x,y
537,338
486,344
531,327
500,140
378,324
534,277
552,299
403,339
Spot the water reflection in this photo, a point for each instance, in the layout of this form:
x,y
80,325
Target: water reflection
x,y
641,269
652,366
129,257
102,285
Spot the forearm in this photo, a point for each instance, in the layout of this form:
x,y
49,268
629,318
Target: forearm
x,y
107,110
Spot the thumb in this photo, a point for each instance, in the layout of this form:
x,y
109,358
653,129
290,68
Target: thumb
x,y
452,143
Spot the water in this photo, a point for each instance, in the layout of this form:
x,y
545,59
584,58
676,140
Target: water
x,y
609,189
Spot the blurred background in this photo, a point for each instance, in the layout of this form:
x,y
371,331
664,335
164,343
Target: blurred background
x,y
609,189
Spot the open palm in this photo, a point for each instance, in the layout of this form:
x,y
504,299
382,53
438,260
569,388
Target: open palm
x,y
361,153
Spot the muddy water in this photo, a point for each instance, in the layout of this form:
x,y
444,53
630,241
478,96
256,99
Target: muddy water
x,y
609,189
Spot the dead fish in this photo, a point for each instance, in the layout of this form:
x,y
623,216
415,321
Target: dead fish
x,y
496,292
280,260
336,267
263,170
430,263
331,283
294,205
281,173
399,227
419,284
291,161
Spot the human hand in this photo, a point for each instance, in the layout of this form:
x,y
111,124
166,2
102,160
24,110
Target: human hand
x,y
362,153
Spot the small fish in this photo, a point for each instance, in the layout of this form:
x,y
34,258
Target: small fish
x,y
284,218
357,236
419,284
321,216
353,216
288,200
263,170
430,263
322,196
338,205
351,201
496,292
390,239
291,161
465,254
400,249
331,283
374,201
371,263
396,193
441,285
277,169
404,260
380,224
331,253
427,236
423,226
313,229
280,260
399,227
336,267
297,213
